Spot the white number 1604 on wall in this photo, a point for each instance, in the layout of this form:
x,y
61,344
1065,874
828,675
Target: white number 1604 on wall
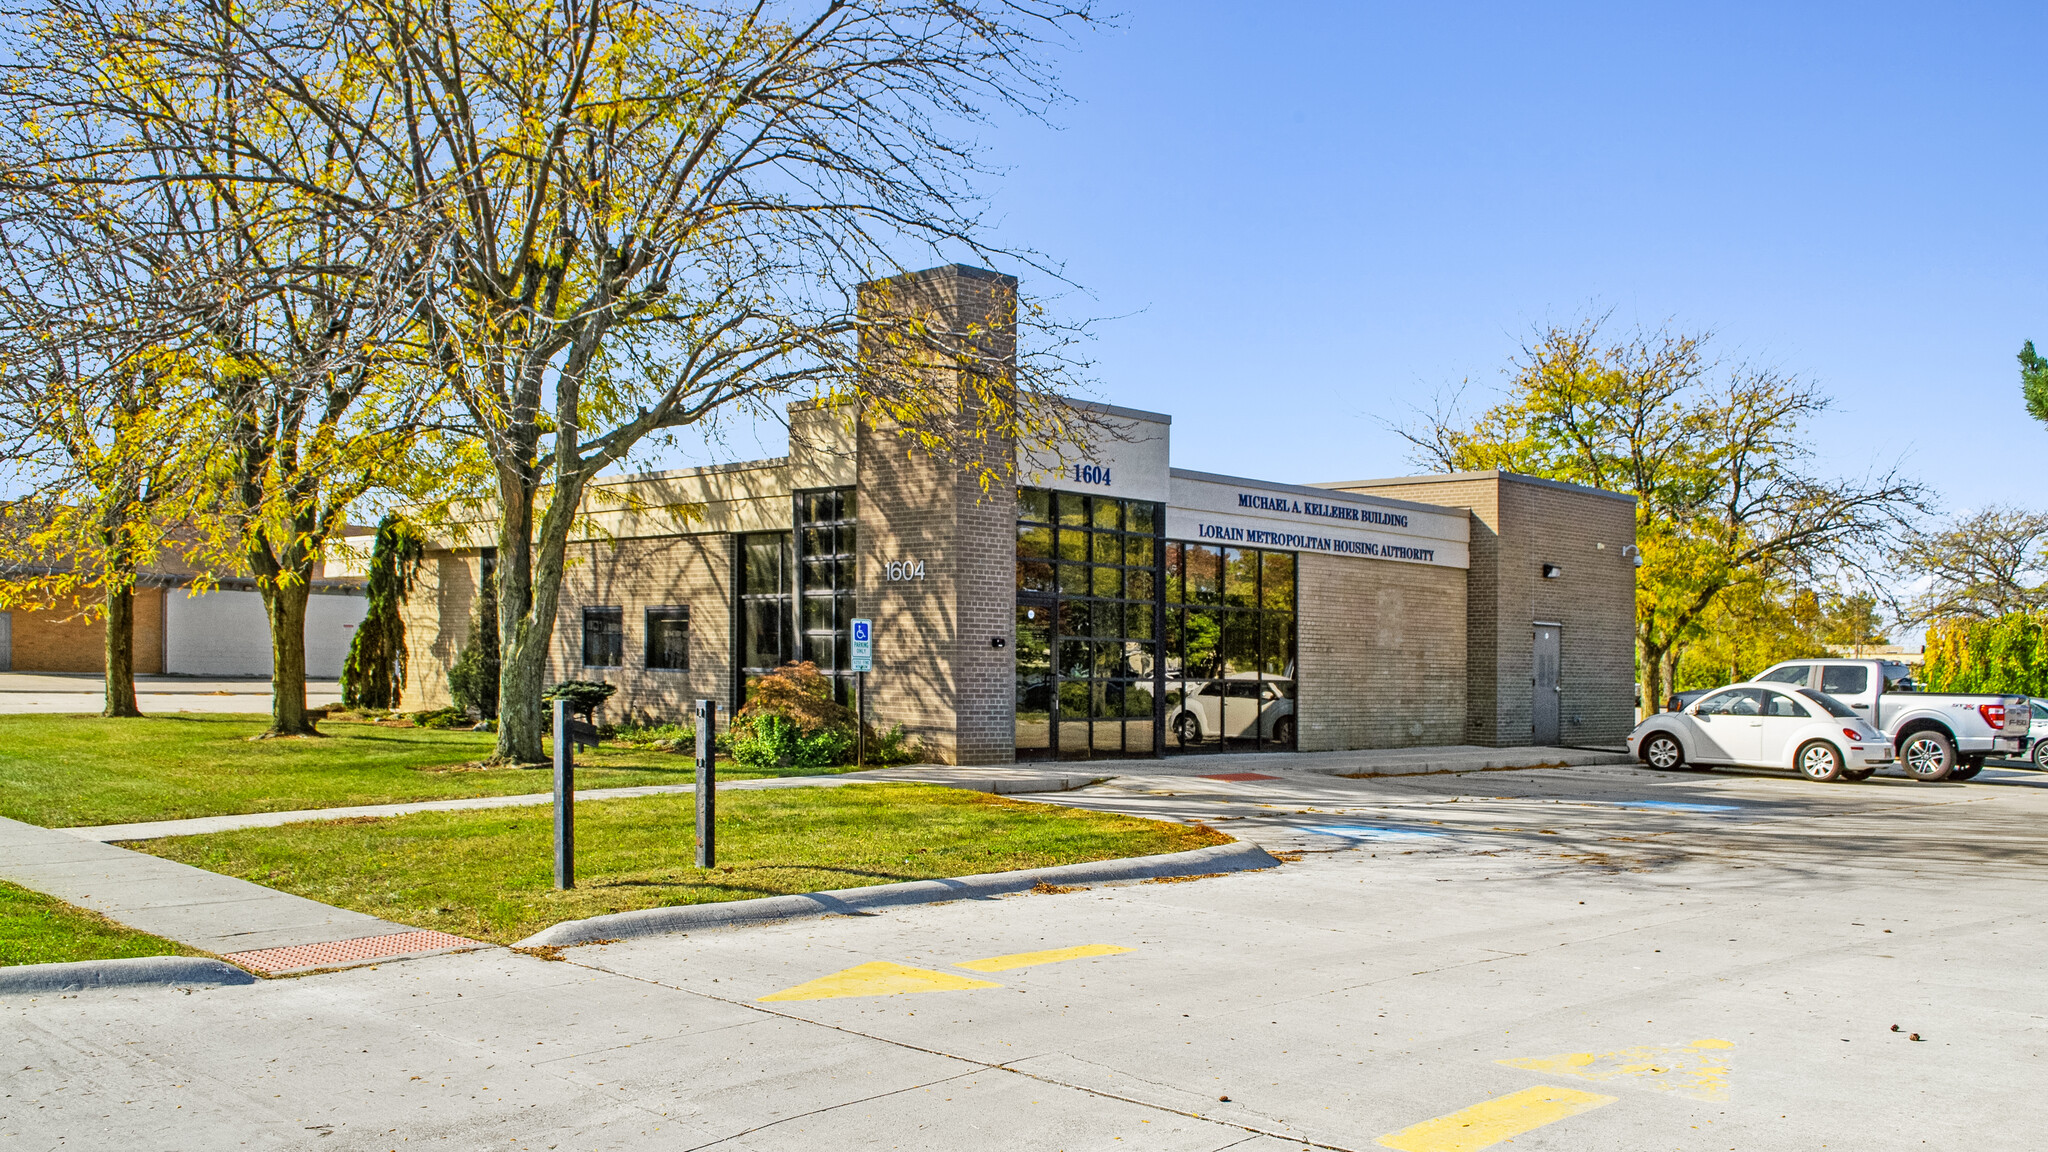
x,y
906,569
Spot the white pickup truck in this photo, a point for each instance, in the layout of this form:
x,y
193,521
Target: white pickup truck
x,y
1938,736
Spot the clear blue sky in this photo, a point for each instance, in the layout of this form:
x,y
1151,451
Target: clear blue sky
x,y
1300,219
1312,215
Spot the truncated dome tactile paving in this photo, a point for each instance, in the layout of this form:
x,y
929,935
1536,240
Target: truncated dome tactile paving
x,y
337,953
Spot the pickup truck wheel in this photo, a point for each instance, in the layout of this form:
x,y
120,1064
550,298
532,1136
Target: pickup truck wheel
x,y
1818,761
1187,729
2041,754
1928,756
1663,752
1857,774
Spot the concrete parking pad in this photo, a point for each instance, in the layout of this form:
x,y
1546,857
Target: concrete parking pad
x,y
1597,931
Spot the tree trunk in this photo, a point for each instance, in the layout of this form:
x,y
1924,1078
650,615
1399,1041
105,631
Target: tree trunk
x,y
530,567
120,652
1652,660
520,665
285,604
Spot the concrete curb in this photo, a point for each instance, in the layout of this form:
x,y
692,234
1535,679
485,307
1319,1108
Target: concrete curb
x,y
139,972
855,901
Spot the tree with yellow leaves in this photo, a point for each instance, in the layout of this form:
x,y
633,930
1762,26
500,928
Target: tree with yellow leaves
x,y
1715,455
97,428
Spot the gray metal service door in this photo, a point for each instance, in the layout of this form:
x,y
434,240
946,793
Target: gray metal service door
x,y
1544,708
6,641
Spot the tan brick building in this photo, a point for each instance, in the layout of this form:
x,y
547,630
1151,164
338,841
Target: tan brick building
x,y
1107,605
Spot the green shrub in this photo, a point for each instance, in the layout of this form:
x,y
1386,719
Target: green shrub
x,y
892,747
449,717
585,697
675,738
776,742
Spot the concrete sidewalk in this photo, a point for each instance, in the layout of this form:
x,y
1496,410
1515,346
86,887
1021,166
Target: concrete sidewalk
x,y
91,683
258,927
58,693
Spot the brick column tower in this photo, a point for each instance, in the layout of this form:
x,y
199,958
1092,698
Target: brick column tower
x,y
939,670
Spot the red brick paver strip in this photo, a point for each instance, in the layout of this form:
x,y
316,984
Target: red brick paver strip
x,y
1235,777
337,952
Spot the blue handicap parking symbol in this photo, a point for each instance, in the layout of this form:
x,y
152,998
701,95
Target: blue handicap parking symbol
x,y
860,630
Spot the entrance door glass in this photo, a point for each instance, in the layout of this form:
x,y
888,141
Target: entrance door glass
x,y
1088,578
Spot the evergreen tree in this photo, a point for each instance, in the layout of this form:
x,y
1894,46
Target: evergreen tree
x,y
373,676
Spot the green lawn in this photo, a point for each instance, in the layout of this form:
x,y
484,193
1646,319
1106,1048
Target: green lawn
x,y
487,874
39,929
72,771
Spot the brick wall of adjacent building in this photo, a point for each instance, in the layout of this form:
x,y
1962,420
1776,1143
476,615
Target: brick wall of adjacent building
x,y
1519,523
937,670
1380,654
436,616
633,576
71,639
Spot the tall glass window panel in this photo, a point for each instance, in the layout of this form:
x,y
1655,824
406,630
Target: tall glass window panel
x,y
825,564
767,638
1104,561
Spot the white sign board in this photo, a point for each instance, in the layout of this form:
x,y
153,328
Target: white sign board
x,y
1123,454
1229,512
863,645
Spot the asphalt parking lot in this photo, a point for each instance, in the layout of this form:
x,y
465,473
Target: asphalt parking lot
x,y
1586,958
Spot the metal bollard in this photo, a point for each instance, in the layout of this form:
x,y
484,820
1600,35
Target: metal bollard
x,y
707,784
565,799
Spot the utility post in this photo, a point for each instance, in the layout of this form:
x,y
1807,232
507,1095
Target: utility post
x,y
565,798
707,784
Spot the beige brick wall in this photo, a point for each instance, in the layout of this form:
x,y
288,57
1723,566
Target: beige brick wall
x,y
936,671
1520,523
635,575
1380,654
436,617
71,638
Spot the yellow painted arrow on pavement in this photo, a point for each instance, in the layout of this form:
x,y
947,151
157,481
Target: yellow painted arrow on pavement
x,y
878,978
1698,1070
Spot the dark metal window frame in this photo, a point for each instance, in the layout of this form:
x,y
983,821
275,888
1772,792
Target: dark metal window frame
x,y
1178,605
667,614
617,638
782,602
1086,571
839,590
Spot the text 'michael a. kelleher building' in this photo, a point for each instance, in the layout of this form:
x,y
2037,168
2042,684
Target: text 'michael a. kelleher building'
x,y
1110,606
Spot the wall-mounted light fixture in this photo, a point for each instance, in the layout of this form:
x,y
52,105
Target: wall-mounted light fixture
x,y
1552,571
1634,554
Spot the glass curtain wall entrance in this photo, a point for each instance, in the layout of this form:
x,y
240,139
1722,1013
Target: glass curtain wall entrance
x,y
825,583
1229,649
1088,624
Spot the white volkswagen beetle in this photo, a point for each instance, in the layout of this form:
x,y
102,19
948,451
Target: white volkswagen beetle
x,y
1765,726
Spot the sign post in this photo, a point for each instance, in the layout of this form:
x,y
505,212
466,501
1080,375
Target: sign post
x,y
707,784
565,797
863,663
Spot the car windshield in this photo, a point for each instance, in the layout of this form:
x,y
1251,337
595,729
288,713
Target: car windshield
x,y
1835,707
1796,674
